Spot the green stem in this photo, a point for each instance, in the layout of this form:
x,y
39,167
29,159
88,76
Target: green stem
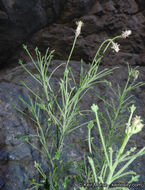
x,y
110,176
124,143
89,141
66,67
108,40
102,138
44,142
57,136
118,110
66,96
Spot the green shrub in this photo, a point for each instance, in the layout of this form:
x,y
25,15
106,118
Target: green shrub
x,y
59,125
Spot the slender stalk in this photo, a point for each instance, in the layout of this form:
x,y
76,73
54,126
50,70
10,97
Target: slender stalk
x,y
108,40
101,134
89,141
121,101
124,143
66,67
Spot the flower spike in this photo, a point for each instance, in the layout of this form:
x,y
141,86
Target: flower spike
x,y
79,26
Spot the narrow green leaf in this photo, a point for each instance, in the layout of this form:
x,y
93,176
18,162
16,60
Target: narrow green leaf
x,y
26,138
32,182
57,156
13,106
93,168
134,179
18,137
22,83
20,62
90,125
65,182
37,76
42,106
24,46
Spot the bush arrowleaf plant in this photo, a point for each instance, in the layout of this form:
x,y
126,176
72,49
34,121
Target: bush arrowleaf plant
x,y
62,117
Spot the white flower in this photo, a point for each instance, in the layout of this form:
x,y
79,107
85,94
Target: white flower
x,y
126,33
115,47
78,30
94,108
136,120
136,126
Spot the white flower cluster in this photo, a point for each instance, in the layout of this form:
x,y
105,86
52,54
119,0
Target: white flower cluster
x,y
136,126
115,47
126,33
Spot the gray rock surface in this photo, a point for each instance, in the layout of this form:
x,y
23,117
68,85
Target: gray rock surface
x,y
102,20
20,19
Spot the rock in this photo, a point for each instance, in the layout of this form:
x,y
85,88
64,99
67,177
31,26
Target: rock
x,y
2,183
55,26
4,157
3,15
92,25
19,19
75,9
15,178
48,39
102,20
97,9
23,13
20,153
141,4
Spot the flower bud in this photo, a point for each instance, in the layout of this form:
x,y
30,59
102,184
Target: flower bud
x,y
135,74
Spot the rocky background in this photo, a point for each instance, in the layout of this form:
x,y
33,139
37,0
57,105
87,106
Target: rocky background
x,y
52,23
